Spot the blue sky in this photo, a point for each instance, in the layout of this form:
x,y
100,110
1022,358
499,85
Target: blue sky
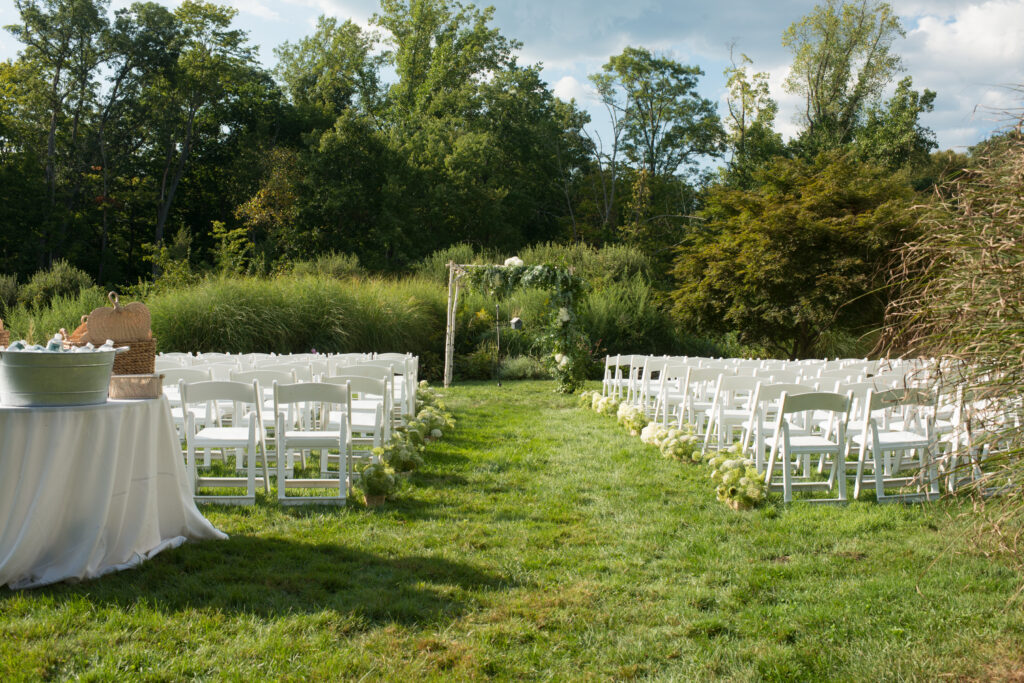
x,y
966,51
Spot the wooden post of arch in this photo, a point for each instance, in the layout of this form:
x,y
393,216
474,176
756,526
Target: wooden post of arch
x,y
454,284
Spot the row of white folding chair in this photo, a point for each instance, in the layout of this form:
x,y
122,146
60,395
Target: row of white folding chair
x,y
749,403
244,436
289,400
878,448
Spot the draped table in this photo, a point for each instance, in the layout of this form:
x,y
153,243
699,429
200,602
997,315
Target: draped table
x,y
89,490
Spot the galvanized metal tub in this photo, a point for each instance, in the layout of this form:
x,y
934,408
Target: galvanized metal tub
x,y
39,378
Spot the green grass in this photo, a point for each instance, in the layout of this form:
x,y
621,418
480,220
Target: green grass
x,y
540,542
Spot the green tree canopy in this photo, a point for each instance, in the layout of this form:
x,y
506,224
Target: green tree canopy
x,y
842,61
796,264
665,124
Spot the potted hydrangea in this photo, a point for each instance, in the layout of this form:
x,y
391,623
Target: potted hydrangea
x,y
737,481
681,444
377,481
631,417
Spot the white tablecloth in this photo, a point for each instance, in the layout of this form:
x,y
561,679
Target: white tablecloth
x,y
88,490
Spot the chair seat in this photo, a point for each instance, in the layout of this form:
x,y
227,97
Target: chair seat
x,y
222,436
896,440
312,438
811,443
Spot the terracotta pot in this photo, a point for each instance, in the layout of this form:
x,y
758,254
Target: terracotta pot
x,y
373,501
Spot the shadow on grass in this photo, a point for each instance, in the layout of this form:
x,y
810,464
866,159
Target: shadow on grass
x,y
276,577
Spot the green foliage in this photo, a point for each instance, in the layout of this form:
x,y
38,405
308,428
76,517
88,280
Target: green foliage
x,y
892,135
796,259
330,265
842,61
376,479
479,363
563,335
8,292
60,279
39,323
750,123
293,315
233,251
435,265
665,123
736,480
522,367
960,300
400,454
332,70
631,417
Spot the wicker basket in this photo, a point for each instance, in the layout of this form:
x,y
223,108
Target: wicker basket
x,y
5,337
135,386
140,359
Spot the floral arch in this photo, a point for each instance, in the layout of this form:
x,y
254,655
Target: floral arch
x,y
567,341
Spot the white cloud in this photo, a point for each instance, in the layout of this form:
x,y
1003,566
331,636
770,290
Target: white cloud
x,y
568,88
256,8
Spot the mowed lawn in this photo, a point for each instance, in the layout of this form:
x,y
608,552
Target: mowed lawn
x,y
541,542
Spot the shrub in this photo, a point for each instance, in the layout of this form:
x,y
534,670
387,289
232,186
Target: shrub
x,y
62,279
631,417
8,293
330,265
479,364
402,454
435,266
608,264
39,324
523,367
376,479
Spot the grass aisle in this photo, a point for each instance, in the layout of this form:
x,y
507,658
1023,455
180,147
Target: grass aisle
x,y
540,542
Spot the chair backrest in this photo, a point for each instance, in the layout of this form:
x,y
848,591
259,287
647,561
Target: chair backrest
x,y
214,356
769,393
203,392
362,387
732,391
265,378
373,372
168,363
893,398
307,392
824,401
301,369
173,375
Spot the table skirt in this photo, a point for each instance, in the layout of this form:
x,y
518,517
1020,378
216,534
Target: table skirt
x,y
88,490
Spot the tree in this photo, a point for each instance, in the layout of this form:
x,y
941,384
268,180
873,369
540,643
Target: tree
x,y
332,70
842,61
751,137
666,125
213,64
795,265
61,45
892,134
441,52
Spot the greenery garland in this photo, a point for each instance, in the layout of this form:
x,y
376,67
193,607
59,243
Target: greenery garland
x,y
569,344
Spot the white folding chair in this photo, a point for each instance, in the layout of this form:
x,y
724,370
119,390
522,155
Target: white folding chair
x,y
368,412
291,434
914,410
793,451
730,409
170,379
760,424
237,436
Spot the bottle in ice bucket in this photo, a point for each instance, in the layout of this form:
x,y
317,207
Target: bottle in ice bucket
x,y
56,344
